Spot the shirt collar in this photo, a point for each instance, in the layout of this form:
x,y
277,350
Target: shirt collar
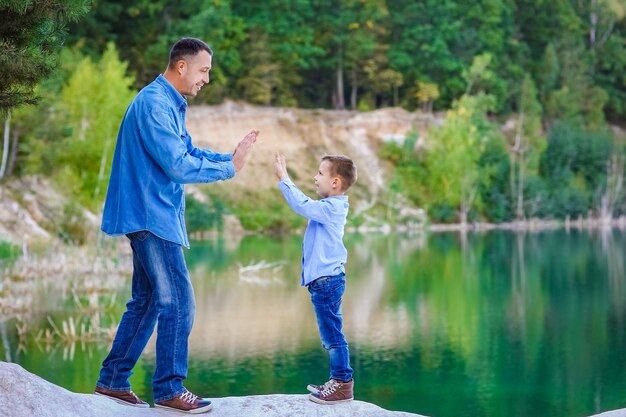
x,y
179,99
341,197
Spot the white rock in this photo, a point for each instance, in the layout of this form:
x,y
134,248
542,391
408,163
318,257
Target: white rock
x,y
23,394
614,413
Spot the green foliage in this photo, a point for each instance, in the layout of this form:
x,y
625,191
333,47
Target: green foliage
x,y
8,251
452,158
200,217
31,34
267,212
479,75
73,227
40,128
574,166
526,147
409,174
494,188
544,64
93,103
576,100
264,81
372,53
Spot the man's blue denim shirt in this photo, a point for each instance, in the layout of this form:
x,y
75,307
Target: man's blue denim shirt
x,y
153,158
323,252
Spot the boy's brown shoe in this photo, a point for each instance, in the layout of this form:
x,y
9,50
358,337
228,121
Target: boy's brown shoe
x,y
122,397
186,403
334,392
317,388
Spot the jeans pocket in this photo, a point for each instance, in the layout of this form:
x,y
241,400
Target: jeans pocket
x,y
328,283
337,288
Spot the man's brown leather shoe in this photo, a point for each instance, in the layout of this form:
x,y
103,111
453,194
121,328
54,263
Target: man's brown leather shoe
x,y
122,397
186,403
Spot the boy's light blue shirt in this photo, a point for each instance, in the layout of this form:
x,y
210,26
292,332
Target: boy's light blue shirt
x,y
154,157
323,252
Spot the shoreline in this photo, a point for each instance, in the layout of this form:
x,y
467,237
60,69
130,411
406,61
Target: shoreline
x,y
529,225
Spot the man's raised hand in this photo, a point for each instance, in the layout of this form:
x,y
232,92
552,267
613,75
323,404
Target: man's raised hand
x,y
243,149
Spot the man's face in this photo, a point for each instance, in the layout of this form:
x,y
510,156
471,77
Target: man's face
x,y
324,180
195,73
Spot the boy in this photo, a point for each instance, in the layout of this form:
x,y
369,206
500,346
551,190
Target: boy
x,y
323,259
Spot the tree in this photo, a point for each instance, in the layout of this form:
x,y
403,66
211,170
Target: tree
x,y
452,158
610,56
262,76
381,80
426,94
93,101
576,100
549,75
144,31
479,75
603,14
288,48
527,145
574,166
349,32
36,129
31,34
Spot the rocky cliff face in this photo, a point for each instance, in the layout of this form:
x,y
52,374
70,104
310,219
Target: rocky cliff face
x,y
23,394
31,210
304,136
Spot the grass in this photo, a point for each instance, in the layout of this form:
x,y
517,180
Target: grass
x,y
8,251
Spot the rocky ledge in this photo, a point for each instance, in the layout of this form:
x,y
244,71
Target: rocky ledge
x,y
23,394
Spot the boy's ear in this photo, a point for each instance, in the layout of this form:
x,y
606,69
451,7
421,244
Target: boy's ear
x,y
337,182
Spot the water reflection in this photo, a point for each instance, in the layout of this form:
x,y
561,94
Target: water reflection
x,y
490,324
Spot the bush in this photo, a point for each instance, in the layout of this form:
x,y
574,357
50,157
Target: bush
x,y
8,251
267,212
201,217
574,166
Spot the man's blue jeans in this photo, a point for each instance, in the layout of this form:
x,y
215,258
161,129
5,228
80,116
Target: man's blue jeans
x,y
326,293
161,291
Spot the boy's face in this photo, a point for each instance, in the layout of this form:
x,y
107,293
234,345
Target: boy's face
x,y
325,183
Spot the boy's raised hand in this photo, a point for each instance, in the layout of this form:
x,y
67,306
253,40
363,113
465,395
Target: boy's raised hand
x,y
280,166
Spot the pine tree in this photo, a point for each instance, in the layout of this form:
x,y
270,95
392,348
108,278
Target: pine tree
x,y
31,34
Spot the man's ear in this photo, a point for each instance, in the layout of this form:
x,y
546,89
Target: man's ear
x,y
181,66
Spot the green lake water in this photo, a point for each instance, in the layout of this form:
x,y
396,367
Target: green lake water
x,y
492,324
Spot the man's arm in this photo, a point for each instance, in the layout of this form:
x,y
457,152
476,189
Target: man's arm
x,y
206,153
164,144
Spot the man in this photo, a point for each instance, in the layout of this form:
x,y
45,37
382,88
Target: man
x,y
154,157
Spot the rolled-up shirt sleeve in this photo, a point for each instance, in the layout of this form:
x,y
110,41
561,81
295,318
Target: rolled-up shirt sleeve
x,y
172,152
206,153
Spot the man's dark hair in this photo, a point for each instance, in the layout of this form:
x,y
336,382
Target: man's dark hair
x,y
343,167
187,47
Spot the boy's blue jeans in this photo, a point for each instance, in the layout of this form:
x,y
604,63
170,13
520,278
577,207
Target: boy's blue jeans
x,y
161,289
326,293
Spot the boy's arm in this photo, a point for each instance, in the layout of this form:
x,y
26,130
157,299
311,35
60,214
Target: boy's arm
x,y
319,210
